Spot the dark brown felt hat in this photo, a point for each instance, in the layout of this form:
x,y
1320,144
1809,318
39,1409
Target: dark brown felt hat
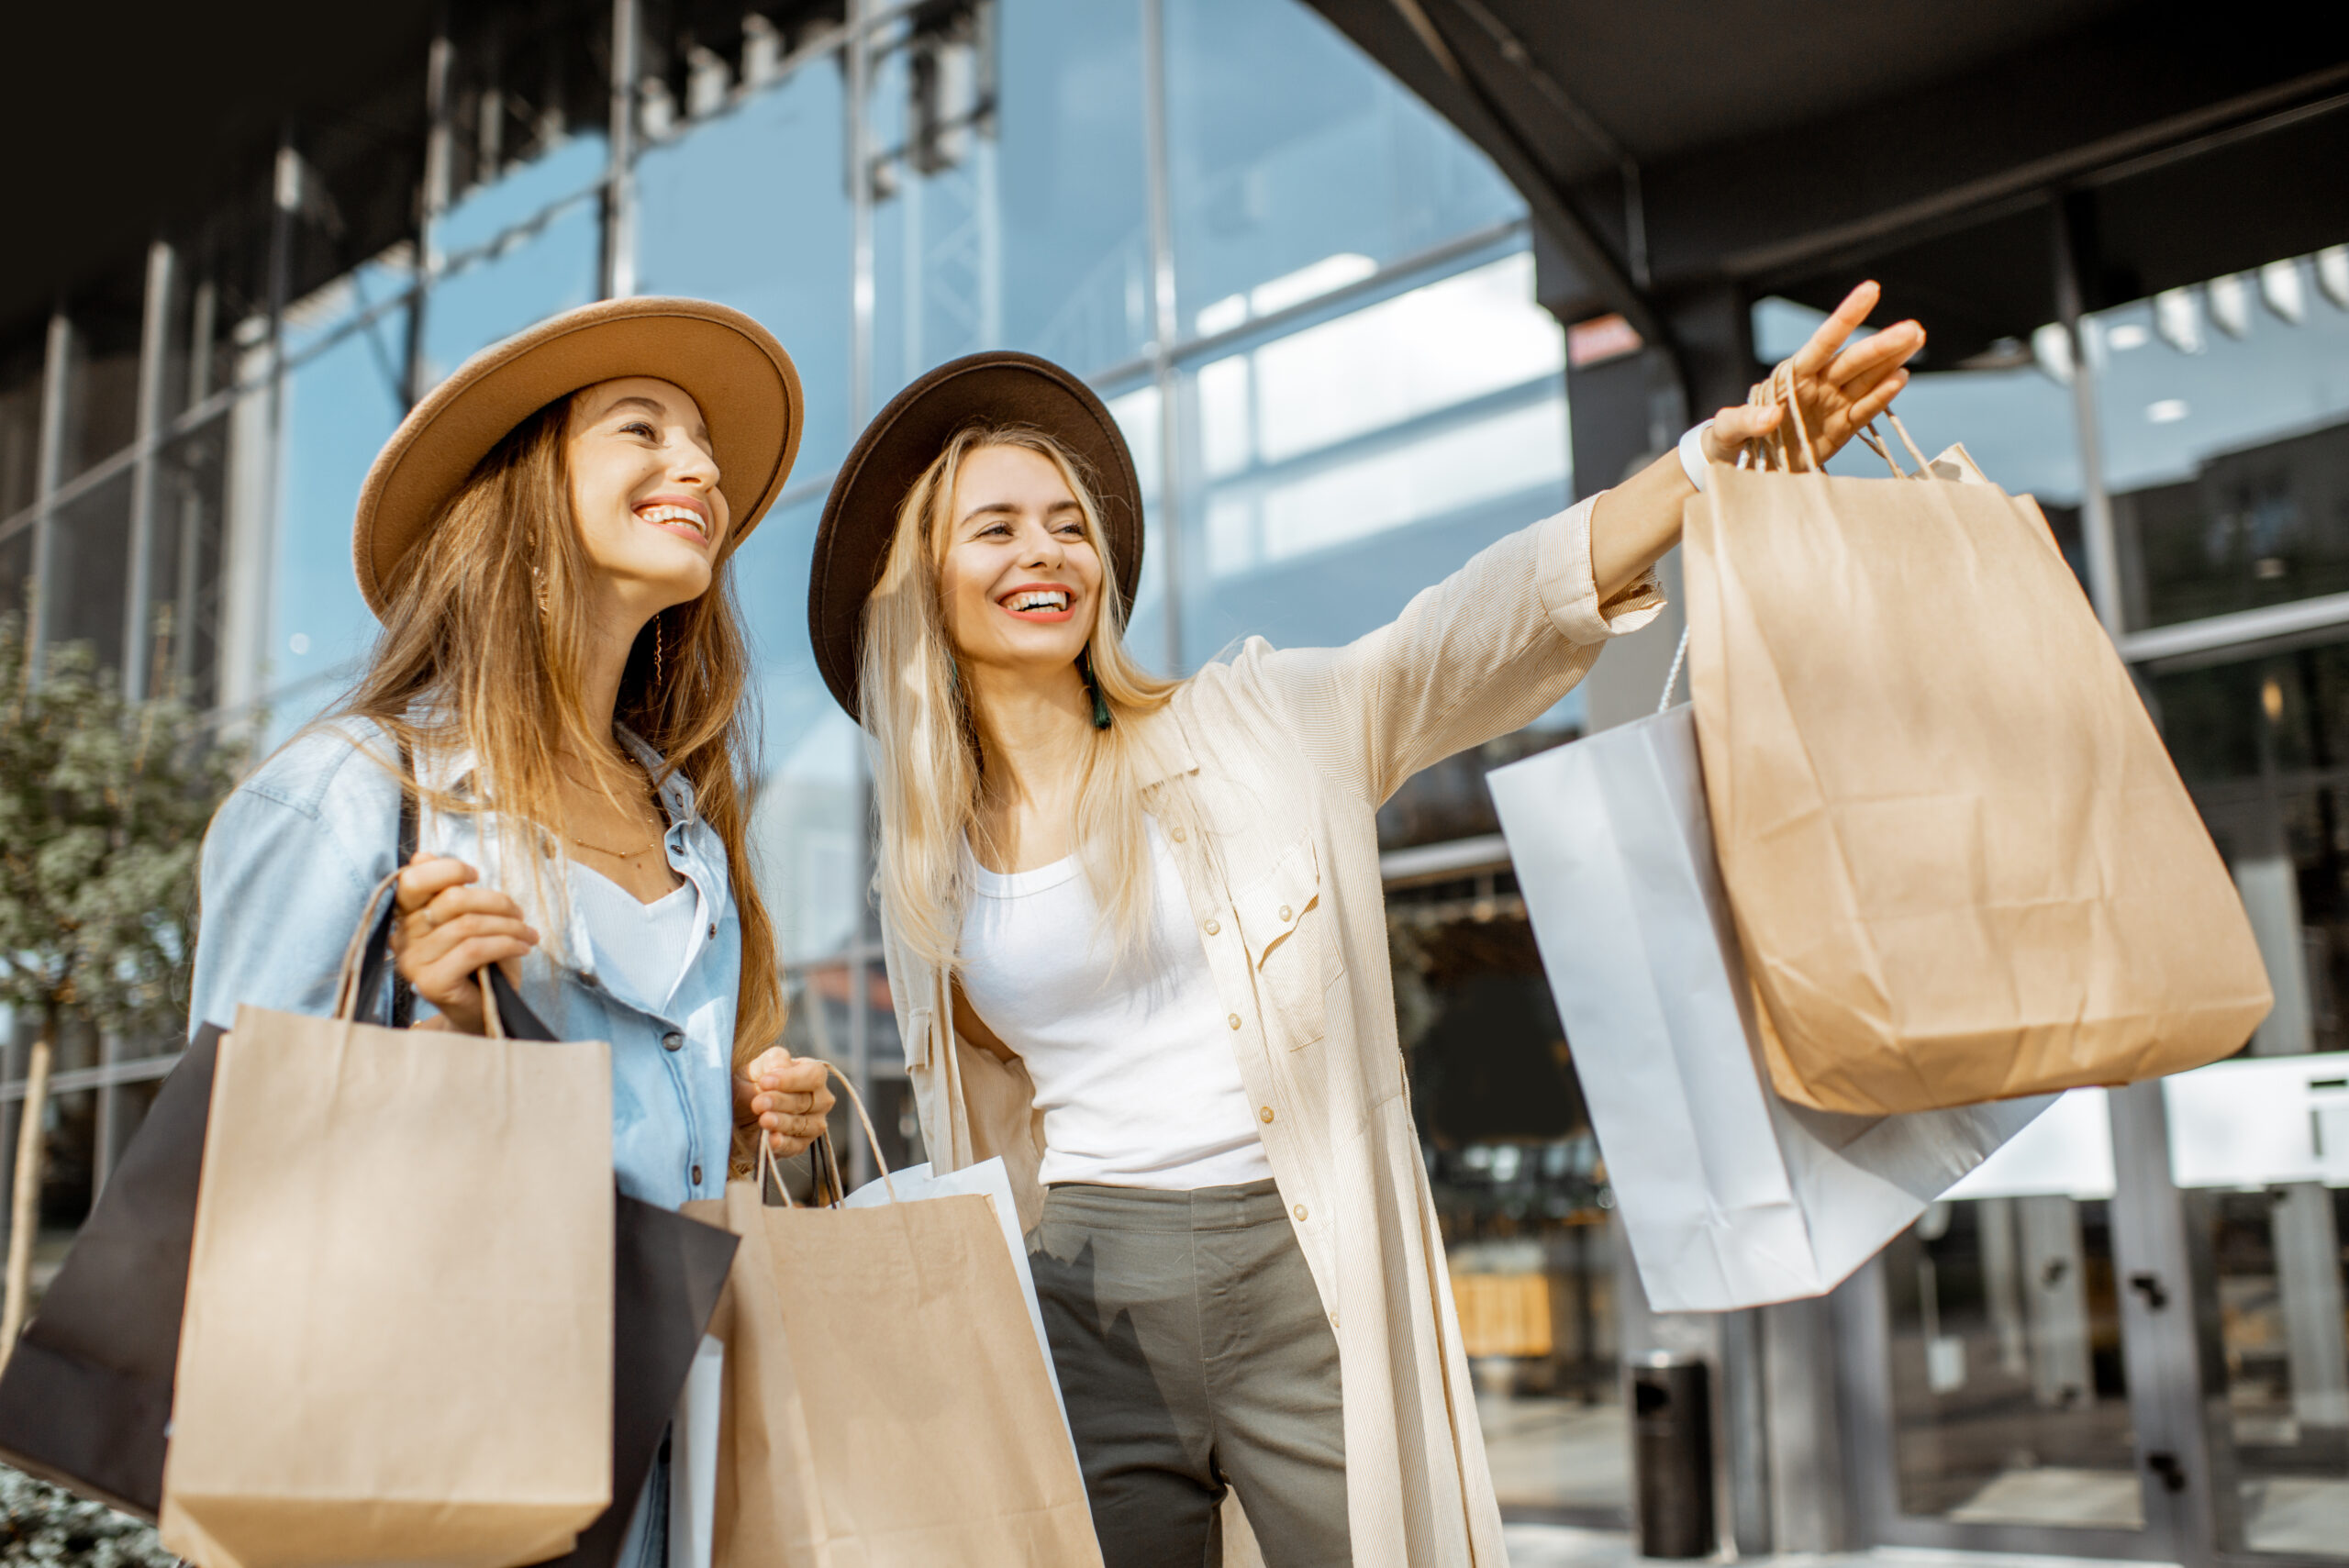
x,y
731,366
860,513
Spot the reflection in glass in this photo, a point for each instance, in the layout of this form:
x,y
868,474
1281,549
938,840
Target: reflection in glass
x,y
2264,745
1377,451
2225,417
191,494
368,291
550,266
771,176
1298,165
17,570
2281,1278
82,597
1010,188
339,410
2008,1398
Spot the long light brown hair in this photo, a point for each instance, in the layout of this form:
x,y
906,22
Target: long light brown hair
x,y
927,765
484,641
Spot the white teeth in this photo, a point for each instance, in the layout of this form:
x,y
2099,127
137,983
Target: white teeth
x,y
1037,600
674,514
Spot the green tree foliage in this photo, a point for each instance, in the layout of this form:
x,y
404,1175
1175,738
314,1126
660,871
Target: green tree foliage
x,y
45,1525
103,808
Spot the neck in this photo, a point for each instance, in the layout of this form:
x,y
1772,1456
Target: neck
x,y
610,639
1035,734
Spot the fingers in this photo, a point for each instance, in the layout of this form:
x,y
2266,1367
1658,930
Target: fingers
x,y
1848,319
426,875
1878,400
1733,428
1875,354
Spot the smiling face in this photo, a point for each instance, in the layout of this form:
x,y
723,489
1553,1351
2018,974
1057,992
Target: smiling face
x,y
644,489
1020,578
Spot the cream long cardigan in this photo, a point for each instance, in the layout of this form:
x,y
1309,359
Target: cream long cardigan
x,y
1290,754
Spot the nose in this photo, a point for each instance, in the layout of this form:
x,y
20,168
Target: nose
x,y
1045,548
694,465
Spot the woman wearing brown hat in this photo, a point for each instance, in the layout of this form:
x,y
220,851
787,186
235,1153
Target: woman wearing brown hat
x,y
1136,942
545,540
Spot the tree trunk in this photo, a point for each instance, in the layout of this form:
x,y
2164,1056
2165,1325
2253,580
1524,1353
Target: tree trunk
x,y
24,1213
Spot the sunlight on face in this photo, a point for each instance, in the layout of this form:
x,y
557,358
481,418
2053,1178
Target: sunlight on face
x,y
1020,581
644,490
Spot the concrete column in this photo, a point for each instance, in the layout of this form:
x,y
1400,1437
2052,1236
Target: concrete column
x,y
2308,1278
2056,1304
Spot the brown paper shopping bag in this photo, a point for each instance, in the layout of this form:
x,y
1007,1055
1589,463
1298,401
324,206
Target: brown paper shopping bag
x,y
397,1342
886,1404
1961,864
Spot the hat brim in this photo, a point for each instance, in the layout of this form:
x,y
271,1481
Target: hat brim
x,y
745,384
860,513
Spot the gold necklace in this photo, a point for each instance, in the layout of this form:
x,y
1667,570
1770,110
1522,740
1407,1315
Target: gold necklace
x,y
616,854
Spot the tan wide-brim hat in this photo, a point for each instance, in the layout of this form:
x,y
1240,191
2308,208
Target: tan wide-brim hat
x,y
732,367
860,513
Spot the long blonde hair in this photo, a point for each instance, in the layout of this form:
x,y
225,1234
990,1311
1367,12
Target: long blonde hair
x,y
928,764
481,648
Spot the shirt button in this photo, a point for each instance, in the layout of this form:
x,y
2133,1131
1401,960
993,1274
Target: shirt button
x,y
1213,928
1285,912
1233,1020
1178,835
1300,1212
1265,1115
673,1041
713,927
697,1176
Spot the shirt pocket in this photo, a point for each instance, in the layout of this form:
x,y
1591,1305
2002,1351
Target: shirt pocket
x,y
1289,944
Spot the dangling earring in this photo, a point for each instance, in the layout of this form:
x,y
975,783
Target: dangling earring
x,y
539,592
1101,705
660,636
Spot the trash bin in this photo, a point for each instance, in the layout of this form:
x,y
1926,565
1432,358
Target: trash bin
x,y
1672,1455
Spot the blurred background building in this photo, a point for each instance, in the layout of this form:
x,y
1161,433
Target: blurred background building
x,y
1369,282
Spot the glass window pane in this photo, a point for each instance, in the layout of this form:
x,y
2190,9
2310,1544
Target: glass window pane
x,y
88,575
339,408
2009,1399
806,821
1334,473
2225,413
16,569
1026,227
20,381
552,265
752,209
1297,164
191,501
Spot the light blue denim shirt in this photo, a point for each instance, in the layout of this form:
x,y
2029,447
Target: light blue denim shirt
x,y
289,862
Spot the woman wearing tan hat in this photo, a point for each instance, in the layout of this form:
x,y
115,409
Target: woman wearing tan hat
x,y
1136,942
545,540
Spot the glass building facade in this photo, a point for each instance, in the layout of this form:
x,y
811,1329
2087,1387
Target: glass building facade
x,y
1311,303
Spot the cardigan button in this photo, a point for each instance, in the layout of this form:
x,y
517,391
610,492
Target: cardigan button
x,y
1178,835
1285,913
673,1041
1213,928
1233,1020
1300,1212
1265,1115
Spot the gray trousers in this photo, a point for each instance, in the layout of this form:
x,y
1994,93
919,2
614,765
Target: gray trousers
x,y
1193,1355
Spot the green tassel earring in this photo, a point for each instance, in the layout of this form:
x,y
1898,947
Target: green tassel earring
x,y
1101,704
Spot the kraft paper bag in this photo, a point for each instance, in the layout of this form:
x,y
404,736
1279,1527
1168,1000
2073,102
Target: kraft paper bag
x,y
1732,1197
398,1334
886,1405
991,1180
1963,865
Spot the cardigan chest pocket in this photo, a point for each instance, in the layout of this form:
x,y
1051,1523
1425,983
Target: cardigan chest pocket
x,y
1289,946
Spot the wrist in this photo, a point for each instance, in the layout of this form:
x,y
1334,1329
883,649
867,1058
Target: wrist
x,y
1695,453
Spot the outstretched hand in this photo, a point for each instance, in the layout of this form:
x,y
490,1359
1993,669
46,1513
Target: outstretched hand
x,y
1838,395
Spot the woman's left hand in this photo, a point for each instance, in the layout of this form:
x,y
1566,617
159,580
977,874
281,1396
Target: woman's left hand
x,y
790,1096
1838,395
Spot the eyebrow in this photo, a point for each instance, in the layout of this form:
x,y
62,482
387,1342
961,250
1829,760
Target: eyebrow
x,y
701,432
984,508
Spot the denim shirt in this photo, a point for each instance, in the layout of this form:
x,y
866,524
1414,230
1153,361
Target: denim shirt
x,y
292,855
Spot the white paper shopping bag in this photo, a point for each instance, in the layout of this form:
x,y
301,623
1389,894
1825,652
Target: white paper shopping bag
x,y
992,1181
1732,1197
693,1459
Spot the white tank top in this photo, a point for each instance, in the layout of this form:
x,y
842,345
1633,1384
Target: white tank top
x,y
640,950
1133,1069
